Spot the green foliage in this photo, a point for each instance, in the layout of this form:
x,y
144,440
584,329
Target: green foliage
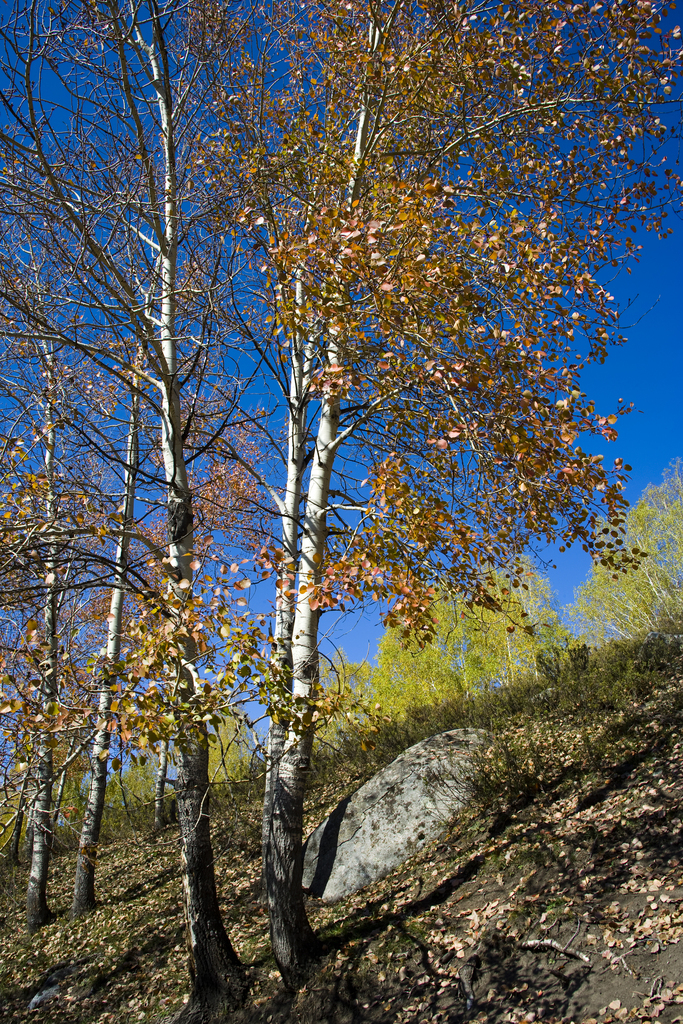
x,y
630,604
469,651
351,684
408,675
578,710
230,753
129,798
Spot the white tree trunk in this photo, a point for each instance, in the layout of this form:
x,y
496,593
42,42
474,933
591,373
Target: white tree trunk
x,y
160,787
218,981
37,910
84,884
293,940
299,383
28,835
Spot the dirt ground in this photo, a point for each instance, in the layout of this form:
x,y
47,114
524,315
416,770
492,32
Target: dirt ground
x,y
595,872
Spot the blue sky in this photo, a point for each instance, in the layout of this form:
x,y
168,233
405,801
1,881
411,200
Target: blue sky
x,y
647,371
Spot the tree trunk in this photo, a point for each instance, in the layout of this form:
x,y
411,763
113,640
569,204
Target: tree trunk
x,y
57,803
293,940
276,739
294,943
218,979
160,789
28,835
37,911
273,866
84,884
61,787
15,841
278,732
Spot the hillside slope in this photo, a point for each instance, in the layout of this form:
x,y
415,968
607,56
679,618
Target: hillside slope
x,y
592,864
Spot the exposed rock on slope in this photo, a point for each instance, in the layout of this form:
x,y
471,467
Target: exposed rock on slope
x,y
391,817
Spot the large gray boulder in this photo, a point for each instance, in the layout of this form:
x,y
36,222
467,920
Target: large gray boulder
x,y
392,816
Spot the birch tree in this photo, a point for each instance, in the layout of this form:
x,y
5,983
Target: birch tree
x,y
431,195
106,103
84,885
37,911
44,487
40,397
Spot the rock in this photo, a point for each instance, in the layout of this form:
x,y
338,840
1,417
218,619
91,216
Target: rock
x,y
44,997
392,816
660,649
546,698
49,985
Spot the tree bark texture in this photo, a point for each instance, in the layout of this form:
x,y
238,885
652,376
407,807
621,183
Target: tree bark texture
x,y
293,940
28,835
37,911
160,788
84,884
276,739
61,786
218,980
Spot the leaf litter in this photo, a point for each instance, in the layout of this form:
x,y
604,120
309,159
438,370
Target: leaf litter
x,y
492,909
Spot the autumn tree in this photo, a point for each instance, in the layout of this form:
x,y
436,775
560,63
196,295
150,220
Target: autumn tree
x,y
60,504
44,483
432,197
84,885
105,104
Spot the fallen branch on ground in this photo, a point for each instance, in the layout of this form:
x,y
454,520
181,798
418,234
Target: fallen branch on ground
x,y
551,944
